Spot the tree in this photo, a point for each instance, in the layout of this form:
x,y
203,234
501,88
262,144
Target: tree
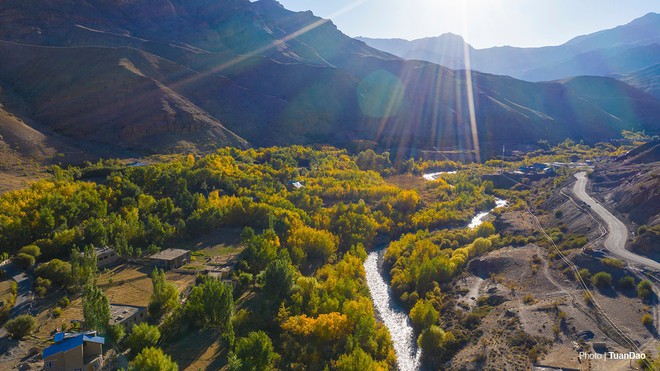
x,y
358,360
83,266
142,336
31,250
278,279
153,359
423,314
24,260
255,352
56,270
316,245
165,296
435,343
211,303
96,308
116,332
21,326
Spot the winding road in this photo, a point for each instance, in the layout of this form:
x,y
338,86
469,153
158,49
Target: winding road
x,y
618,233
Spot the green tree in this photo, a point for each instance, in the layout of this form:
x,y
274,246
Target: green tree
x,y
278,279
83,266
357,360
142,336
31,250
153,359
165,296
24,260
21,326
255,352
116,332
211,303
56,270
423,314
96,308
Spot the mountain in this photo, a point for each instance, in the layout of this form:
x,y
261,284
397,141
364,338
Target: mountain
x,y
164,75
620,50
646,79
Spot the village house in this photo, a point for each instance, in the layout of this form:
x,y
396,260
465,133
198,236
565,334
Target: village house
x,y
170,258
127,315
74,351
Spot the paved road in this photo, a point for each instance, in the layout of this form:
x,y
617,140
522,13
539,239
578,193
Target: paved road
x,y
618,233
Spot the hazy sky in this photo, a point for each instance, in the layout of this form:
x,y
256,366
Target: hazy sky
x,y
483,23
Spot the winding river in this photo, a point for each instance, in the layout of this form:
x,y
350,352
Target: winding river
x,y
394,317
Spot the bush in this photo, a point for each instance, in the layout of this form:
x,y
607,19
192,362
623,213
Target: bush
x,y
584,274
57,312
528,299
601,279
21,326
642,229
24,260
627,282
647,320
614,263
559,214
645,290
64,302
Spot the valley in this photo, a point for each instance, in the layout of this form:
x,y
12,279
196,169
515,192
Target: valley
x,y
231,185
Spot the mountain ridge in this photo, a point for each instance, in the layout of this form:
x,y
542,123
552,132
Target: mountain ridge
x,y
199,74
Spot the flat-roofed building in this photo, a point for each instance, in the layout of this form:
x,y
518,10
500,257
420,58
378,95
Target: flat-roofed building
x,y
106,256
127,315
170,258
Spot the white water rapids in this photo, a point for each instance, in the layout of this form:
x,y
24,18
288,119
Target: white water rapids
x,y
394,317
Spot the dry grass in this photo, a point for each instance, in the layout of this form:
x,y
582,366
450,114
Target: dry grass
x,y
5,290
131,284
198,350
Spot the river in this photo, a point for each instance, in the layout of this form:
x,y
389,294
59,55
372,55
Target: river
x,y
394,316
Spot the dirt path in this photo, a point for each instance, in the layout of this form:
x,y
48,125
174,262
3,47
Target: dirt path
x,y
618,233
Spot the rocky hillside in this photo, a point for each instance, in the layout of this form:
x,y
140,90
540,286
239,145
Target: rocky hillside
x,y
632,183
162,75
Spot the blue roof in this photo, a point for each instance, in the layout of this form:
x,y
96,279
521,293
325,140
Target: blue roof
x,y
64,346
58,337
70,343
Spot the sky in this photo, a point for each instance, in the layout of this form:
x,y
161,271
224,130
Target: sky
x,y
483,23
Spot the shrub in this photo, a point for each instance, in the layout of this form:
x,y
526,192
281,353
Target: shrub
x,y
528,299
614,263
21,326
627,282
559,214
601,279
57,312
645,290
584,274
647,320
642,229
64,302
